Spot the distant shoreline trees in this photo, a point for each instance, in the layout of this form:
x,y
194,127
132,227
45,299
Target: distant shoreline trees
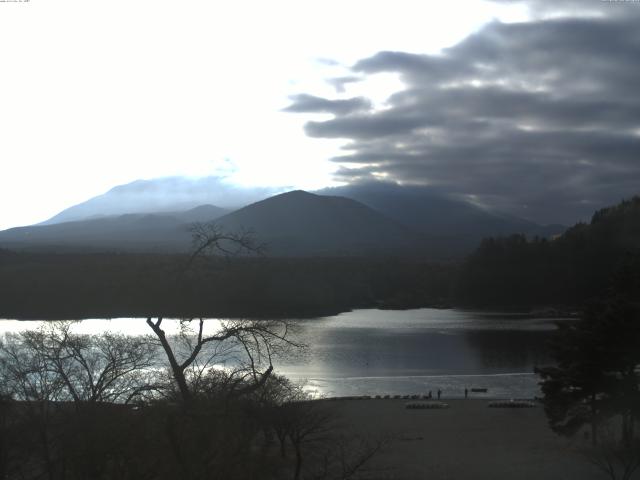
x,y
519,272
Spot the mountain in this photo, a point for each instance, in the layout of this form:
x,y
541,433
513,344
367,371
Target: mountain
x,y
296,223
169,194
165,232
301,223
154,214
130,232
201,213
451,227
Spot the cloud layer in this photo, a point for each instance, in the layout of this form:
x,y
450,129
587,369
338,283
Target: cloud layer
x,y
310,104
540,118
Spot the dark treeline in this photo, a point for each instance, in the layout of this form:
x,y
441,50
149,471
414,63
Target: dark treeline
x,y
569,270
62,286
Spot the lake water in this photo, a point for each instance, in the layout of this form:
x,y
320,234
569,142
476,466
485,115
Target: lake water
x,y
386,352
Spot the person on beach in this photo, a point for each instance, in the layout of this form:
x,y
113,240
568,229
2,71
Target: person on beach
x,y
466,393
429,396
439,393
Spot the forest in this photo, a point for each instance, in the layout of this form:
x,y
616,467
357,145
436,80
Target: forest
x,y
71,286
518,272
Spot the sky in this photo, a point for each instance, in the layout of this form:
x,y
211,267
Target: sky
x,y
527,107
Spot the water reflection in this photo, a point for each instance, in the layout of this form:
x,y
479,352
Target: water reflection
x,y
511,350
406,352
396,352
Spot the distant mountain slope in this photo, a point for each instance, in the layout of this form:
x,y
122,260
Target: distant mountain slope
x,y
202,213
301,223
131,232
291,224
451,227
162,195
349,220
166,232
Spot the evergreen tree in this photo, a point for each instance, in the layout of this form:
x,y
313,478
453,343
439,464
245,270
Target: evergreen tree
x,y
597,375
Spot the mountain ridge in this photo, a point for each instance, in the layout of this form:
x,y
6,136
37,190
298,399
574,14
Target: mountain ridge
x,y
295,223
421,219
332,225
452,227
162,195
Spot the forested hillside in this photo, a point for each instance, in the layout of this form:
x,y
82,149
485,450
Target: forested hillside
x,y
516,271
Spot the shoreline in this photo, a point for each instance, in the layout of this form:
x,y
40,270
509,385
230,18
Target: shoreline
x,y
548,313
422,398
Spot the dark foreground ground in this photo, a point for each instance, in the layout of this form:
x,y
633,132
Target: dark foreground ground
x,y
468,440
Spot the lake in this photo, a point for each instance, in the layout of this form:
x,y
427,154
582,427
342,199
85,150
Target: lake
x,y
390,352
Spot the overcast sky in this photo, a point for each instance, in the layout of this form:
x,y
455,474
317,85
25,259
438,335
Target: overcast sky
x,y
529,107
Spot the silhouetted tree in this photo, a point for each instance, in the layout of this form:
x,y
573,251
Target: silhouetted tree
x,y
618,460
211,240
6,434
246,347
574,389
65,386
252,344
577,266
90,368
597,375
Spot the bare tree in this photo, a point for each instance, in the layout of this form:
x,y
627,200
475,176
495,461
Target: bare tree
x,y
97,368
347,457
322,448
306,422
245,347
617,458
210,240
7,431
26,373
45,369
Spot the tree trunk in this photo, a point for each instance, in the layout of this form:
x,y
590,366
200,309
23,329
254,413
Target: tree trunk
x,y
594,423
176,447
282,439
296,474
627,429
176,370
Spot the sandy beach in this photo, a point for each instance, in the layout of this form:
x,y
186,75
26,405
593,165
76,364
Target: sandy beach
x,y
468,440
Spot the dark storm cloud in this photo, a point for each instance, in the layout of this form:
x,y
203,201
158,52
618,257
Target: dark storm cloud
x,y
363,126
540,118
310,104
